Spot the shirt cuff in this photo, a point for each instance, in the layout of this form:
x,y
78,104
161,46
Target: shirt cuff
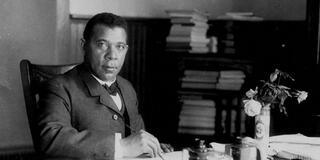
x,y
118,153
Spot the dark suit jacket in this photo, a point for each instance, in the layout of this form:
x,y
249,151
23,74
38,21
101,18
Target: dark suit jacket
x,y
78,118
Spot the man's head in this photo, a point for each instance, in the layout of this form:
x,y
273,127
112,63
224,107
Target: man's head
x,y
105,45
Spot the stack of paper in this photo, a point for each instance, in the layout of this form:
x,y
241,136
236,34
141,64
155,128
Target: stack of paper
x,y
296,146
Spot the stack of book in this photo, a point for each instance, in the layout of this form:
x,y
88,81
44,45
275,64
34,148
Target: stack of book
x,y
241,16
188,31
230,80
227,42
199,79
230,42
197,117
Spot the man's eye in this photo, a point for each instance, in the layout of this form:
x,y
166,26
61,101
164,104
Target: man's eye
x,y
121,46
100,44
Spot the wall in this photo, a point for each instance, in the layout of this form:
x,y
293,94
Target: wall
x,y
146,8
29,29
274,9
269,9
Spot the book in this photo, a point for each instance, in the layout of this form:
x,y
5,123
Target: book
x,y
173,47
232,80
195,25
195,14
187,20
242,16
197,85
178,50
229,36
233,87
209,73
196,131
196,112
213,49
197,118
223,121
229,50
227,43
198,108
196,123
207,79
199,50
187,39
232,74
188,28
185,44
233,121
184,96
188,32
202,102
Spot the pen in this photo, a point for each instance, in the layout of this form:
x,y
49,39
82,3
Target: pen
x,y
160,155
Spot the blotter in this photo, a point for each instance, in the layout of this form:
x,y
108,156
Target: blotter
x,y
176,155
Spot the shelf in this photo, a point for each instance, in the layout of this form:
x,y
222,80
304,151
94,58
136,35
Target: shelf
x,y
209,92
213,61
227,115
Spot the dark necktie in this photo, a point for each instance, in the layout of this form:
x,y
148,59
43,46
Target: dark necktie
x,y
112,90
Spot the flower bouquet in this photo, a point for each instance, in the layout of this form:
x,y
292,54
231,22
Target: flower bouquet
x,y
271,92
257,104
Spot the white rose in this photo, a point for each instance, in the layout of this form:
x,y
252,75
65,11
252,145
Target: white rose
x,y
302,95
251,93
252,107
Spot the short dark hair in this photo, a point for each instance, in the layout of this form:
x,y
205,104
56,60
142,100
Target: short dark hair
x,y
107,19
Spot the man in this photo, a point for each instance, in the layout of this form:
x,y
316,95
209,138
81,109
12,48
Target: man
x,y
79,117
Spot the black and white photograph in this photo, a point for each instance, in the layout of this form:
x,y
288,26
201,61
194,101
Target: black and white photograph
x,y
159,80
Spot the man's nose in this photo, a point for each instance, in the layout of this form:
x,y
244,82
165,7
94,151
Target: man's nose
x,y
111,52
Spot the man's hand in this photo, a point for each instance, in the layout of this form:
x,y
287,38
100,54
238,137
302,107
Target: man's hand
x,y
139,143
166,147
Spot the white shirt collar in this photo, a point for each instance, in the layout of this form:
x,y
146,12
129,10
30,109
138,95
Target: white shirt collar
x,y
108,83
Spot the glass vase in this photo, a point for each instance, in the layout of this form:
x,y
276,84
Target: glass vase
x,y
262,130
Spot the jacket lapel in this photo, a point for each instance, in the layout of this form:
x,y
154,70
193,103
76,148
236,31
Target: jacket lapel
x,y
126,96
96,89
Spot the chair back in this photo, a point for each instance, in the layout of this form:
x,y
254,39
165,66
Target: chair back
x,y
33,76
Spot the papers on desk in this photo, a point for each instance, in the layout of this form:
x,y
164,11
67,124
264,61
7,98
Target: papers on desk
x,y
176,155
295,146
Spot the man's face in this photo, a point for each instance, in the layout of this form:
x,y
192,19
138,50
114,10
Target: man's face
x,y
106,51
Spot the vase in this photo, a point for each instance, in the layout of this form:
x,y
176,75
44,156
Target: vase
x,y
262,130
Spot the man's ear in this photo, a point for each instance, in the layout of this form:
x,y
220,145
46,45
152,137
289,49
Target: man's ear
x,y
83,43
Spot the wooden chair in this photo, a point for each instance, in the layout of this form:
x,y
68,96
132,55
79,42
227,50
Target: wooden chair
x,y
32,76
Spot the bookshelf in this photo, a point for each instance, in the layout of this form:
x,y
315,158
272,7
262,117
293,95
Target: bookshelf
x,y
220,105
260,46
